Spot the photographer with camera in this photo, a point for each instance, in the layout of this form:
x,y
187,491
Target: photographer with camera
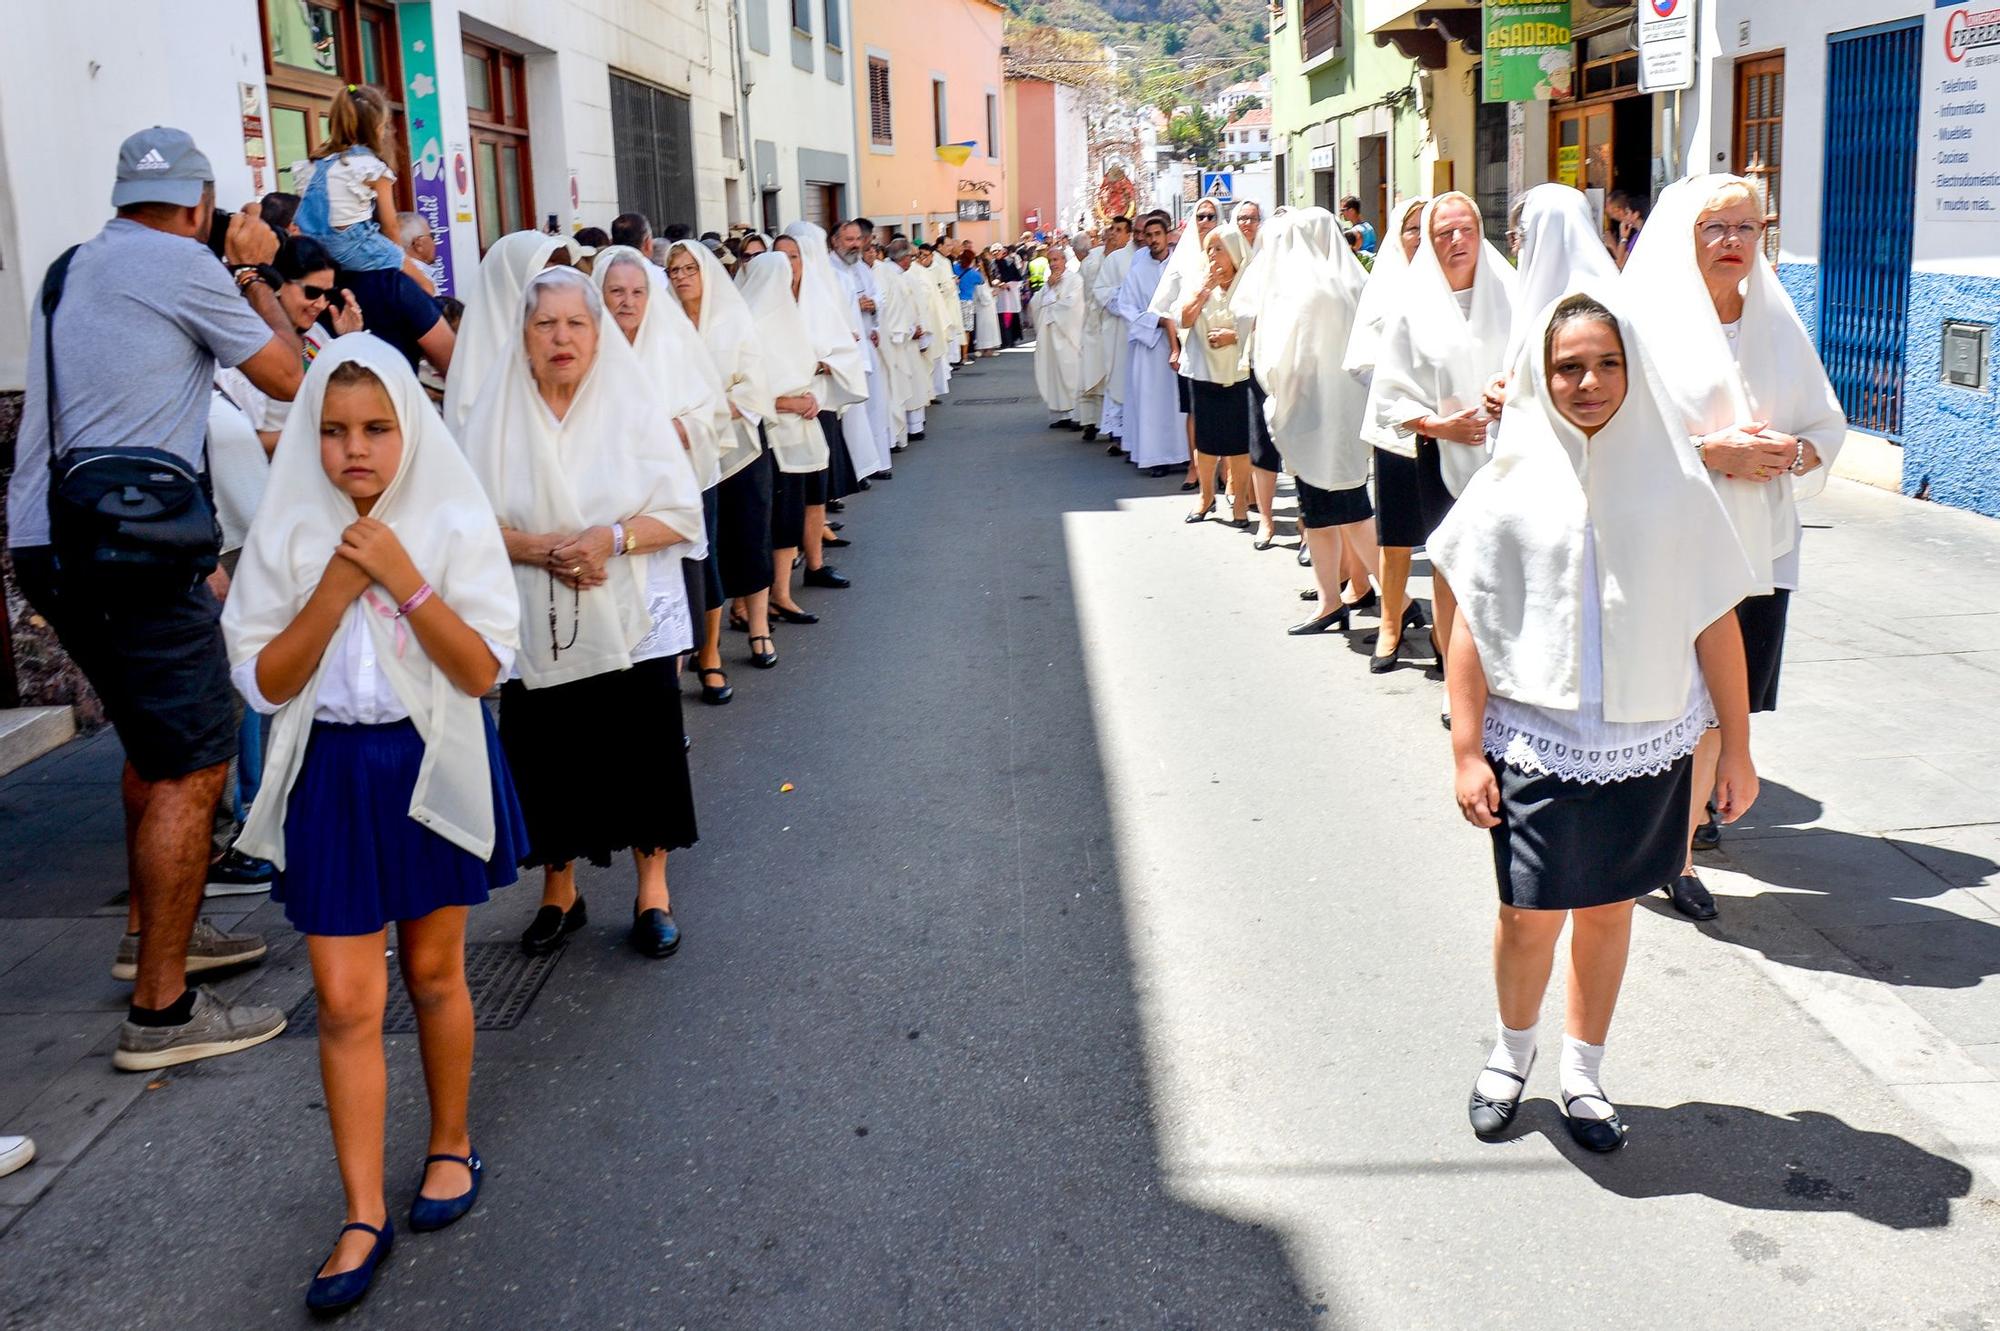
x,y
115,538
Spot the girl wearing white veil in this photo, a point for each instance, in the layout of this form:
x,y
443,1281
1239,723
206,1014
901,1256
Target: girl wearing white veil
x,y
1757,404
1399,522
372,606
740,545
597,504
771,286
1598,642
677,363
1441,346
487,330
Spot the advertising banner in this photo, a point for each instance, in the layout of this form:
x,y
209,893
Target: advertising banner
x,y
428,191
1958,139
1666,45
1529,55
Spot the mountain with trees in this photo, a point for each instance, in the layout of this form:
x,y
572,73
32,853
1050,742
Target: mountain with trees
x,y
1184,48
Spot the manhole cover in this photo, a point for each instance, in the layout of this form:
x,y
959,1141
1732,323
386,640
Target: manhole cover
x,y
503,980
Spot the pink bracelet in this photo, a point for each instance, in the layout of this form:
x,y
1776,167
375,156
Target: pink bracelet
x,y
417,598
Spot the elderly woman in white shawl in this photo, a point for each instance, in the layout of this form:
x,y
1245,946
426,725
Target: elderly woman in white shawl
x,y
772,284
488,328
1597,644
1440,348
680,368
1759,413
740,539
1309,287
1187,271
1059,340
1399,522
597,505
1218,383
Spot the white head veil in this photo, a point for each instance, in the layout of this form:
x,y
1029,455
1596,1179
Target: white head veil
x,y
439,513
831,319
1775,377
730,334
1380,295
797,442
1312,286
1562,250
1436,359
607,460
1219,365
492,307
1668,562
1187,266
676,361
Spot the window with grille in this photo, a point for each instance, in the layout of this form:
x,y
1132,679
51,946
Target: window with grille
x,y
881,126
1760,125
652,144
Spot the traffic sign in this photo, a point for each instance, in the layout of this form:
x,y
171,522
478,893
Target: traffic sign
x,y
1218,185
1666,45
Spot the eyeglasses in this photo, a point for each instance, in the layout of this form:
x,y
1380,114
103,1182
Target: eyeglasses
x,y
1713,233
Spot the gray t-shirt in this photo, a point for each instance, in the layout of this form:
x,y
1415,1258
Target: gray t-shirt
x,y
145,316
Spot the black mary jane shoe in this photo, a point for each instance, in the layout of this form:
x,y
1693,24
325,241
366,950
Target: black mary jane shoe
x,y
654,933
1490,1117
344,1289
551,925
1708,836
1602,1135
1326,623
714,694
794,616
826,575
767,658
430,1214
1690,898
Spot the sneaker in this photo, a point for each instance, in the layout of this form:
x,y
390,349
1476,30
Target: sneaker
x,y
208,949
237,875
213,1029
15,1152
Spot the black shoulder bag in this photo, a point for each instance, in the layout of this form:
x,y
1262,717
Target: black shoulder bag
x,y
128,514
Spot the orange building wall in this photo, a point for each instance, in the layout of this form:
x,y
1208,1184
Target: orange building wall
x,y
908,184
1031,153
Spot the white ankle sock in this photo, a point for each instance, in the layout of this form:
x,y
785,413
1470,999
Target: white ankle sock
x,y
1513,1051
1581,1064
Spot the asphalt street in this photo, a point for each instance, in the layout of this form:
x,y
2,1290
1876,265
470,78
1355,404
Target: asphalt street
x,y
1066,947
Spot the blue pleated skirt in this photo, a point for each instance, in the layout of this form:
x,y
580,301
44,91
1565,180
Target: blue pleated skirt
x,y
354,858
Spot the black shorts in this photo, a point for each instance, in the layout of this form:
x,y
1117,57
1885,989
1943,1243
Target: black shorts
x,y
1332,508
1762,619
157,663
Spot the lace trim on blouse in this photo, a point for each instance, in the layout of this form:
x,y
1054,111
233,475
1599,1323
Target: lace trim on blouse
x,y
1570,751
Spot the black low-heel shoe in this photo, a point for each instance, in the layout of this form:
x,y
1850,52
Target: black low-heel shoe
x,y
1602,1135
1326,623
1382,665
794,616
1690,898
826,575
1367,604
1490,1117
1414,617
344,1289
767,658
714,694
551,925
654,933
428,1214
1708,836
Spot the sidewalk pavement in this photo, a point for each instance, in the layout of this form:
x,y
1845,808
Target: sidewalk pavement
x,y
1866,882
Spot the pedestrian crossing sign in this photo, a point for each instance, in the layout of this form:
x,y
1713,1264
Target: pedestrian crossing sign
x,y
1218,185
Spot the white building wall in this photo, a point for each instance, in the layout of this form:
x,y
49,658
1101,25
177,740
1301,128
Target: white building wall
x,y
1073,189
793,109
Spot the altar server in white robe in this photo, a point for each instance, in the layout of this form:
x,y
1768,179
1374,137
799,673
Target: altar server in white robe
x,y
1118,252
1155,426
1440,349
901,324
1090,377
948,333
1059,340
863,300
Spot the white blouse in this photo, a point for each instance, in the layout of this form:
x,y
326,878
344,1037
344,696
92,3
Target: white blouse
x,y
1581,745
353,691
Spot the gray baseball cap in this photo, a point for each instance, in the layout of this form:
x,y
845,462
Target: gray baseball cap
x,y
160,165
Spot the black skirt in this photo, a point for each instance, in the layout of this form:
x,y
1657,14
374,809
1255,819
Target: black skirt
x,y
1182,393
1263,449
704,576
1434,497
623,724
1399,516
743,529
791,495
1571,845
1221,418
840,480
1332,508
1762,619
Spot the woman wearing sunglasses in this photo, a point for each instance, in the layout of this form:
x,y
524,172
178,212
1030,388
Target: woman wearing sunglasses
x,y
303,276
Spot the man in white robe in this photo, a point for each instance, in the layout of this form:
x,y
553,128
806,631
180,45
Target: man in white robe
x,y
1111,273
945,337
1093,363
1155,428
901,320
870,421
1059,340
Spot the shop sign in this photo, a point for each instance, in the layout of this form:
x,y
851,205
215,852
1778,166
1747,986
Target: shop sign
x,y
1529,54
429,191
1320,159
975,210
1958,162
1666,45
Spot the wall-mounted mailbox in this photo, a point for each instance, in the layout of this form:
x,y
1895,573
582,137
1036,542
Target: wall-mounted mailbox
x,y
1964,354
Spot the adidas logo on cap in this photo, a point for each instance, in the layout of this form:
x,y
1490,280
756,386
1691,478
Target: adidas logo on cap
x,y
152,161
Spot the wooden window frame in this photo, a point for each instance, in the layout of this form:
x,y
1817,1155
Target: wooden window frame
x,y
1768,178
311,92
494,127
881,109
1320,28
